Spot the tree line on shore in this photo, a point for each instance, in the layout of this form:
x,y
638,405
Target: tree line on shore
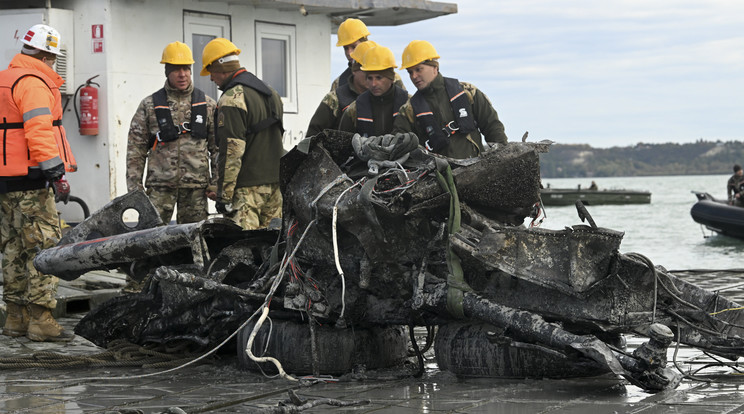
x,y
698,158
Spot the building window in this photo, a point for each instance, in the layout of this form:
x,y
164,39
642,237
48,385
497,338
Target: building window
x,y
200,29
275,60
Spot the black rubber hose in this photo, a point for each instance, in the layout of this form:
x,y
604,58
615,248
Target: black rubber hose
x,y
86,210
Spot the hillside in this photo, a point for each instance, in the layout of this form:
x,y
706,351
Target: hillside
x,y
701,157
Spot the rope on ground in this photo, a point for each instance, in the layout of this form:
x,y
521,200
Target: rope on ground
x,y
299,405
120,353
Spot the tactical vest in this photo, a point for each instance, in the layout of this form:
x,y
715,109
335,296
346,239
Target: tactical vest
x,y
343,79
345,97
15,155
365,121
171,132
245,78
437,136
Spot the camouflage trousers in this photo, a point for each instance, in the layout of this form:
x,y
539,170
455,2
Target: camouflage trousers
x,y
192,203
28,222
254,207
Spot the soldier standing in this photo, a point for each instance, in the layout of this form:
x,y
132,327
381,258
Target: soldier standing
x,y
328,114
37,156
351,33
372,113
447,115
249,135
173,130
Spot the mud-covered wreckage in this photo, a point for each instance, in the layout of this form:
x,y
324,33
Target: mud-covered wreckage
x,y
427,241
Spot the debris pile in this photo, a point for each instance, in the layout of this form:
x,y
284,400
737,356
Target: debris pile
x,y
362,252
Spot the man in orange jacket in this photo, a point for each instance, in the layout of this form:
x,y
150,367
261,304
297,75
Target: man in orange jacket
x,y
34,157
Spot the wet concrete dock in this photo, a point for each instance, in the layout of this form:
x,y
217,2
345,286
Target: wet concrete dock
x,y
220,386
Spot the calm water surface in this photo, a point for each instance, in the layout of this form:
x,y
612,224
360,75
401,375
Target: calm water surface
x,y
663,230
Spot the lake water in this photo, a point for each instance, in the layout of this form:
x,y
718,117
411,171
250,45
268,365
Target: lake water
x,y
663,231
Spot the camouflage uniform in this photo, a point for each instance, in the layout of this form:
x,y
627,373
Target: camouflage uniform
x,y
248,164
460,145
178,172
28,222
328,114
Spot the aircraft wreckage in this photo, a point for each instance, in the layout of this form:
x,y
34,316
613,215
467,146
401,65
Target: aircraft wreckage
x,y
375,238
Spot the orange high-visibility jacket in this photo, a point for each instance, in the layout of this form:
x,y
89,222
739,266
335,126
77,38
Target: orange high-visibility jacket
x,y
31,131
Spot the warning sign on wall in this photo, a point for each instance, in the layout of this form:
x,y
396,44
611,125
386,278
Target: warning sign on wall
x,y
96,34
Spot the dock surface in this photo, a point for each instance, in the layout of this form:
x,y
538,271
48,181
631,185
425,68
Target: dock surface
x,y
220,386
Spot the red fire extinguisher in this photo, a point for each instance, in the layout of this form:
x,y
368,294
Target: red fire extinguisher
x,y
88,117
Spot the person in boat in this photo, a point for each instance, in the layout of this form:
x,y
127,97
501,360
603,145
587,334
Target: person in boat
x,y
733,187
448,116
593,186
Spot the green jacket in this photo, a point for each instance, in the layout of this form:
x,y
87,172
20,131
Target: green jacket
x,y
328,114
246,160
461,145
383,112
184,163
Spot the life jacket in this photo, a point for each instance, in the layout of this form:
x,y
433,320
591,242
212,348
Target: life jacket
x,y
15,155
171,132
345,97
365,120
437,136
245,78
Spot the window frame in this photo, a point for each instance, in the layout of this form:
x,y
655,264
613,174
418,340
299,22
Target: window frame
x,y
205,24
287,33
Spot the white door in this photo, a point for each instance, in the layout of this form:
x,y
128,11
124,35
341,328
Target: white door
x,y
200,29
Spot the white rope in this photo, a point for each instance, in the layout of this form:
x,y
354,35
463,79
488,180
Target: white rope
x,y
335,251
249,345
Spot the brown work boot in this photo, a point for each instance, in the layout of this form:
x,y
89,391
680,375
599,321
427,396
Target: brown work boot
x,y
16,324
44,328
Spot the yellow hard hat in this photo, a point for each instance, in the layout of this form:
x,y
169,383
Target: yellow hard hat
x,y
378,58
177,53
417,52
350,31
216,49
360,50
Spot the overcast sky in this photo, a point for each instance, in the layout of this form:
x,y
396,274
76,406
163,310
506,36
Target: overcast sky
x,y
597,72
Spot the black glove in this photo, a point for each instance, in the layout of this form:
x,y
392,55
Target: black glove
x,y
61,189
223,208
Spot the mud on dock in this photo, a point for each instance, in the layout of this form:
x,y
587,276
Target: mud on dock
x,y
53,384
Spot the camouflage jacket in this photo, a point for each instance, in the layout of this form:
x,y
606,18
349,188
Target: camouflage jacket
x,y
183,163
246,160
328,114
461,145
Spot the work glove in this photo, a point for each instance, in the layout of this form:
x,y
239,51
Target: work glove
x,y
384,151
223,208
61,189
